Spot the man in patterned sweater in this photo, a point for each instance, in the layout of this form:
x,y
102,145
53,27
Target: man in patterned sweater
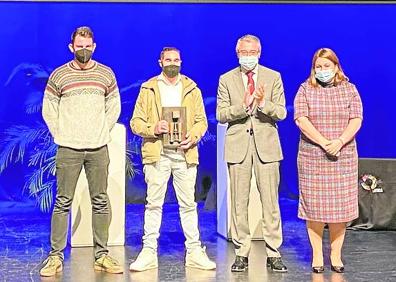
x,y
81,105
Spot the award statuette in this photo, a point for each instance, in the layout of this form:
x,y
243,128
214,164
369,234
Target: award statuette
x,y
176,118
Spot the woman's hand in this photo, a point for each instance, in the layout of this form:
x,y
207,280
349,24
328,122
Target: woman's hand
x,y
333,148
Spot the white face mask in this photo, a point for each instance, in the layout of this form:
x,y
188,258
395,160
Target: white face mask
x,y
324,75
248,62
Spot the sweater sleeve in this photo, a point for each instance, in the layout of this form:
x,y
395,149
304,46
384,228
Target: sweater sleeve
x,y
112,103
50,109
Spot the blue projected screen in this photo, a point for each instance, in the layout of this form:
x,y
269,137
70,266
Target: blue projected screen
x,y
130,36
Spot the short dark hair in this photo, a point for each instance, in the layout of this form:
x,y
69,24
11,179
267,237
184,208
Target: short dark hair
x,y
83,31
167,49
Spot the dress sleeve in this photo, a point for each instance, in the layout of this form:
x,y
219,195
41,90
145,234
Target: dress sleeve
x,y
300,104
356,108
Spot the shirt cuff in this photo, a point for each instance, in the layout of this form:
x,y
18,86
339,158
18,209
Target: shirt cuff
x,y
260,107
245,108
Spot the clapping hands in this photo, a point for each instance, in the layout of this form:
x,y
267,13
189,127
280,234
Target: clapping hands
x,y
256,98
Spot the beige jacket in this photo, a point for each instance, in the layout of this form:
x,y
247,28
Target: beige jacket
x,y
262,121
148,111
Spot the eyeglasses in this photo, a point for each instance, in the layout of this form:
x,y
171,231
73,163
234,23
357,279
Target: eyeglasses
x,y
248,53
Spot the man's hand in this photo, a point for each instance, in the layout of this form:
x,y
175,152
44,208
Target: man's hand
x,y
161,127
258,94
187,143
248,99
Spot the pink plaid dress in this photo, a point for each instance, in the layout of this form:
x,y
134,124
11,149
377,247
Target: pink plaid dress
x,y
328,187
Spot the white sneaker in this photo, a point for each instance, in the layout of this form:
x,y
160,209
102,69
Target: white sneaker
x,y
198,258
147,259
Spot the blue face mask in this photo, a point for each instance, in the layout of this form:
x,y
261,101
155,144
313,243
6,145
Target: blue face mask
x,y
324,75
248,62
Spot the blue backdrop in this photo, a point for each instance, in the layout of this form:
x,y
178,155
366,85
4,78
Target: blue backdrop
x,y
34,39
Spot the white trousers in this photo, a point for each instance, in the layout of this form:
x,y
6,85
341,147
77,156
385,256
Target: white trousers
x,y
157,177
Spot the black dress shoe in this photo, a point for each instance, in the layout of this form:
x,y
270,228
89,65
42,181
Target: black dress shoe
x,y
338,269
240,264
317,269
276,264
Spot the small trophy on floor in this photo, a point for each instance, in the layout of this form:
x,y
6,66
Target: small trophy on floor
x,y
176,118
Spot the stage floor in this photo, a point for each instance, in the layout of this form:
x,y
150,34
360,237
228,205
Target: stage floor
x,y
24,243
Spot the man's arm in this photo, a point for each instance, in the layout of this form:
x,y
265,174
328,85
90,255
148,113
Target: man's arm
x,y
112,104
140,124
275,107
200,121
309,130
50,109
225,112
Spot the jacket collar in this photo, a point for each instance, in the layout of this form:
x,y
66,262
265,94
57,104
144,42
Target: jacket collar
x,y
187,85
237,77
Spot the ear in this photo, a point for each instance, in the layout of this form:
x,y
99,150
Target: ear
x,y
160,63
93,47
71,48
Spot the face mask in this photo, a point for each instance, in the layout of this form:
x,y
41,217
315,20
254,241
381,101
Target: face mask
x,y
83,55
248,62
324,75
171,71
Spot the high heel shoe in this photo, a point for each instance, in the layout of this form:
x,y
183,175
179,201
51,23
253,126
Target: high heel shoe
x,y
338,269
317,269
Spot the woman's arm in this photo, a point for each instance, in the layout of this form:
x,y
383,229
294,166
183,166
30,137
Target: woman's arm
x,y
311,132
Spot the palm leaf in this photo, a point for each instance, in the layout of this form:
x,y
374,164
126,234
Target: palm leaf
x,y
45,197
33,108
16,141
130,168
34,182
36,179
39,186
208,137
133,148
34,102
42,153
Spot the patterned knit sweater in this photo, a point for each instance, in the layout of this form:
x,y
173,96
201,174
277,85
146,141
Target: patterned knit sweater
x,y
80,107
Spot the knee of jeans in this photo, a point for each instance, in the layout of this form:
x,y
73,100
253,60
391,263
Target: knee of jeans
x,y
63,204
100,203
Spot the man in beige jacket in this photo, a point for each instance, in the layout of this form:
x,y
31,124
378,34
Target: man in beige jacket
x,y
251,100
170,89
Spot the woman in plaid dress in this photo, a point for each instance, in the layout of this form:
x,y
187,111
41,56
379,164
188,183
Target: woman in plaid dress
x,y
328,111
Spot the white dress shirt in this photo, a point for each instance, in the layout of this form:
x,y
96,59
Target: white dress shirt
x,y
171,94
